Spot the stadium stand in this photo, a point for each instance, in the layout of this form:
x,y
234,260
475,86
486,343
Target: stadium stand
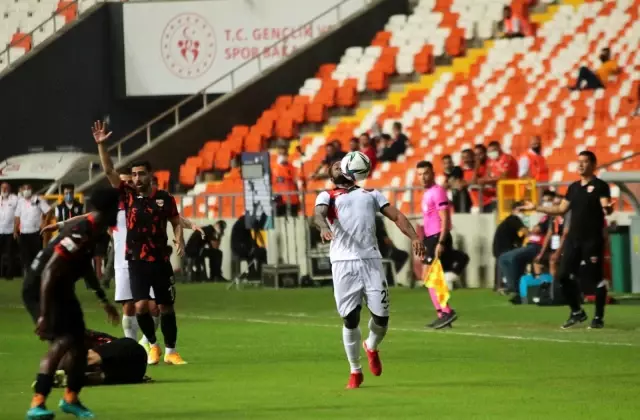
x,y
26,23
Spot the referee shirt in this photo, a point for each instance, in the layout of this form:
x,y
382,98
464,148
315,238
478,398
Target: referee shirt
x,y
587,214
8,207
30,212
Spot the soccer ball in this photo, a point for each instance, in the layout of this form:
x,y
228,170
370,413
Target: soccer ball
x,y
356,166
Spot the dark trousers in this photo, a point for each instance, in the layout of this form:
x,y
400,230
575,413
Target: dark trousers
x,y
513,264
215,262
6,255
592,81
574,254
30,245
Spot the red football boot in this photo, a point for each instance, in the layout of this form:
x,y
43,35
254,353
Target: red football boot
x,y
375,365
355,379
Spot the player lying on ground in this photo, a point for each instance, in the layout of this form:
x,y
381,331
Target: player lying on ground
x,y
110,361
53,274
346,216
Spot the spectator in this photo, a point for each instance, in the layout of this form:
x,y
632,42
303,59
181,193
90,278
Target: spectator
x,y
520,9
532,164
538,276
456,186
247,243
398,135
509,235
368,148
332,155
588,79
483,196
394,146
31,214
500,166
513,263
203,246
354,145
70,207
283,180
8,205
512,26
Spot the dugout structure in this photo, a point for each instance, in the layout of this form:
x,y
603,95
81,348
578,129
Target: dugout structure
x,y
511,190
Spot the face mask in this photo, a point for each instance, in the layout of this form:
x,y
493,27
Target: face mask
x,y
493,155
26,193
282,160
537,149
68,197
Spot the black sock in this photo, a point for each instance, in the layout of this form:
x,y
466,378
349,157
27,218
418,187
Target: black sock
x,y
169,327
572,295
148,328
601,301
44,383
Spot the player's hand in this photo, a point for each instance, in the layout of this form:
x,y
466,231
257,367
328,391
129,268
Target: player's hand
x,y
112,313
99,131
326,235
41,327
438,251
418,248
180,248
48,228
527,206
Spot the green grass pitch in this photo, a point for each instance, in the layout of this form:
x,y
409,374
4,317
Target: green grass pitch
x,y
266,354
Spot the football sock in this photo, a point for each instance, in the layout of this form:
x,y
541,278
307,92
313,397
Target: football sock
x,y
376,335
434,298
601,299
169,350
145,322
156,322
351,340
446,309
130,326
70,397
44,383
169,327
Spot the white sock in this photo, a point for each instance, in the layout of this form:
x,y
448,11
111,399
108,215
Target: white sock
x,y
351,341
376,335
168,350
130,326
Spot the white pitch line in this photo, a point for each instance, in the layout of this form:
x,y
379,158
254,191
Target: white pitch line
x,y
417,330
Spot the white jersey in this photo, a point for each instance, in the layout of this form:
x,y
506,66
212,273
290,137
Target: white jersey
x,y
352,218
120,241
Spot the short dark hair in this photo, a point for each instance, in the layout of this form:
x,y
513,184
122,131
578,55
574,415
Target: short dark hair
x,y
424,165
589,155
105,199
467,151
549,193
68,187
364,134
494,143
480,146
385,137
447,157
145,163
397,125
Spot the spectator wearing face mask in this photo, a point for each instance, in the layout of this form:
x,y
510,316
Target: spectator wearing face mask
x,y
500,166
532,164
31,216
70,207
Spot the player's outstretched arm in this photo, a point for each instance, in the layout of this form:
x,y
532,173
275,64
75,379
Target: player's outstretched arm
x,y
57,226
189,225
405,227
320,220
100,135
558,210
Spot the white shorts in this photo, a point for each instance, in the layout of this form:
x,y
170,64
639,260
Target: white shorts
x,y
123,286
357,279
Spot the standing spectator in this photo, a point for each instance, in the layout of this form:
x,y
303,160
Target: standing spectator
x,y
213,251
368,148
354,144
394,147
512,26
283,179
500,166
485,195
532,164
31,216
588,79
8,204
456,186
332,155
398,135
70,207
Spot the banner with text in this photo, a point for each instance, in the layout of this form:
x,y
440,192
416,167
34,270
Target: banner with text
x,y
180,47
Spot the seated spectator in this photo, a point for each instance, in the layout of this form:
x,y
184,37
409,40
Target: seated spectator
x,y
482,196
456,186
500,166
508,236
588,79
537,277
513,263
247,243
368,148
511,26
332,155
354,145
395,145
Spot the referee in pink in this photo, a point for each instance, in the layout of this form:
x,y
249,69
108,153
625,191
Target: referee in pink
x,y
438,243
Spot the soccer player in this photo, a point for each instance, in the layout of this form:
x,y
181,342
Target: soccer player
x,y
51,281
346,216
589,200
148,210
438,242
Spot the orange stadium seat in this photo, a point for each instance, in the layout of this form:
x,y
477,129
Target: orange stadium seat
x,y
68,10
163,179
21,40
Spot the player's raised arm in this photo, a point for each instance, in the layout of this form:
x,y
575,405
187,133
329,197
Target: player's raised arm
x,y
405,227
320,216
100,135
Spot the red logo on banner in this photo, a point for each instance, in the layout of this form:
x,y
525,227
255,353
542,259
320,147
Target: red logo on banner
x,y
188,45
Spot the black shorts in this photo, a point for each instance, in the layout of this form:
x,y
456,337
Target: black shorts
x,y
430,244
65,317
144,275
582,256
124,361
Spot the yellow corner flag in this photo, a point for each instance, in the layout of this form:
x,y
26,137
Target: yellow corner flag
x,y
434,279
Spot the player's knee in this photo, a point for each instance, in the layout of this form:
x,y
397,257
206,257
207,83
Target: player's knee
x,y
165,309
129,308
381,321
142,306
352,320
